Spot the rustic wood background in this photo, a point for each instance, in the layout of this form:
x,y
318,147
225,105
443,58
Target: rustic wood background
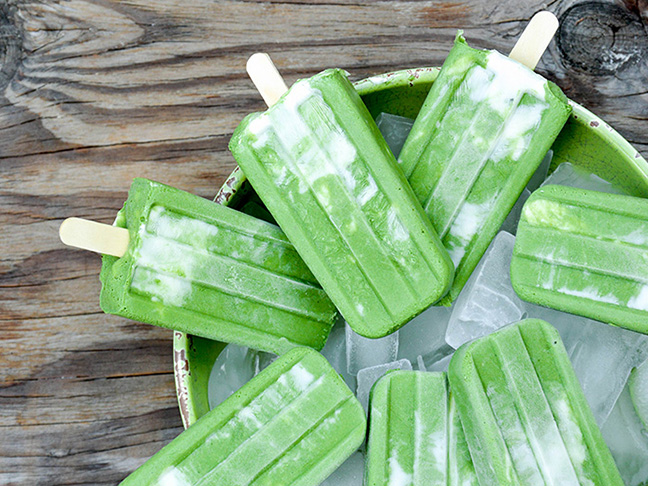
x,y
96,92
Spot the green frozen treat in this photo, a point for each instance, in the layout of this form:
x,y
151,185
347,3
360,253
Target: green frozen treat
x,y
294,423
524,413
584,252
317,160
638,388
415,436
461,470
482,132
198,267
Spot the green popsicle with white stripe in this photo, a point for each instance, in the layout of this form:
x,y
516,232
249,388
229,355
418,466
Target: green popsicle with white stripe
x,y
638,385
198,267
461,470
586,253
482,132
320,165
524,414
293,424
415,437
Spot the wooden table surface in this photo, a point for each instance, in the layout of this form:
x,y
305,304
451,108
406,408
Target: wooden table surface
x,y
96,92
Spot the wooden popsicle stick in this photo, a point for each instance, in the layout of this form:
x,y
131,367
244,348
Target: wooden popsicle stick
x,y
93,236
266,77
535,39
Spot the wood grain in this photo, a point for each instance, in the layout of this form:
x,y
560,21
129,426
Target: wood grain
x,y
96,92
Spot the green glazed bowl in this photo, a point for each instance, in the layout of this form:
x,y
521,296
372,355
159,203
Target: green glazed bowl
x,y
586,141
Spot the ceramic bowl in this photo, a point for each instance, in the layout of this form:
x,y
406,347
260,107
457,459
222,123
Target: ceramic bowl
x,y
586,141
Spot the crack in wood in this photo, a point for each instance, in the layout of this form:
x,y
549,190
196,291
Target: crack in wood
x,y
10,44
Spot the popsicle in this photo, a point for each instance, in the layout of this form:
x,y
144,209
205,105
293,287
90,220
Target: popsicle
x,y
523,412
294,423
584,252
198,267
638,387
320,165
482,132
415,437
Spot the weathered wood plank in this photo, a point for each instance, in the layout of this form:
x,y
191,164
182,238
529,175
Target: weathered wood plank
x,y
96,92
95,452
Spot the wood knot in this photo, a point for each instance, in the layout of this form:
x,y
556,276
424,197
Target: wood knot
x,y
601,38
10,45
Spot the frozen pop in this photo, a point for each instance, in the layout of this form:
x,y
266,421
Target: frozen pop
x,y
320,165
294,423
206,269
523,412
482,132
584,252
415,437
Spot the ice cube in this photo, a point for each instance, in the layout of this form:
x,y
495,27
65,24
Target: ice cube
x,y
440,365
233,368
603,359
335,352
602,355
540,174
364,352
350,473
567,174
395,130
627,438
488,300
420,363
368,376
425,335
510,224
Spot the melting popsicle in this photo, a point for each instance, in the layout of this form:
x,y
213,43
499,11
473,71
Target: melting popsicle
x,y
320,165
525,417
482,132
294,423
195,266
584,252
415,437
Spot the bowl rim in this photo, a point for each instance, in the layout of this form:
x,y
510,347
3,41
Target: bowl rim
x,y
375,84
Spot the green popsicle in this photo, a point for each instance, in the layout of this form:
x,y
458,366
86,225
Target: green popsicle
x,y
584,252
293,424
320,165
638,387
415,437
205,269
524,414
484,128
461,470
